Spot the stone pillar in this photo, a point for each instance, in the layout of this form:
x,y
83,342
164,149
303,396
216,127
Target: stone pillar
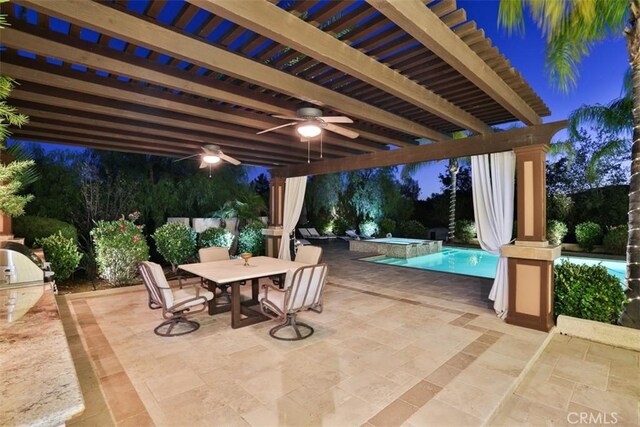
x,y
531,258
273,234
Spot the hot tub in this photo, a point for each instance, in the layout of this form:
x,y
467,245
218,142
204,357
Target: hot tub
x,y
397,247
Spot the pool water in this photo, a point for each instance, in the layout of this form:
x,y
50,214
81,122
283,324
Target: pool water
x,y
476,262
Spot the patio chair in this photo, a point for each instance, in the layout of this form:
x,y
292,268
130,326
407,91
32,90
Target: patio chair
x,y
215,253
352,235
175,306
302,292
304,233
309,254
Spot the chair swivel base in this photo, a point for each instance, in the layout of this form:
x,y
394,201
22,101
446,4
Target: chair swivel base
x,y
302,330
165,329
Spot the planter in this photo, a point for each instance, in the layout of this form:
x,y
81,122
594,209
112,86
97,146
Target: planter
x,y
201,224
180,220
617,336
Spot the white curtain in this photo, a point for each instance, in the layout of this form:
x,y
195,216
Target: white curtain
x,y
294,189
493,178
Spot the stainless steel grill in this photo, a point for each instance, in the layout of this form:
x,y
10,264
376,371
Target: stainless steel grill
x,y
19,265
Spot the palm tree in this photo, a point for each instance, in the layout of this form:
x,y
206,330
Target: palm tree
x,y
571,29
453,167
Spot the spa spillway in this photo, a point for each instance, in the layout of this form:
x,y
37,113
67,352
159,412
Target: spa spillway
x,y
397,247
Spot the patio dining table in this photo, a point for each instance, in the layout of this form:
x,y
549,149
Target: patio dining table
x,y
234,272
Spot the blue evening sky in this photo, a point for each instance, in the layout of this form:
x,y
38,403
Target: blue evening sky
x,y
600,78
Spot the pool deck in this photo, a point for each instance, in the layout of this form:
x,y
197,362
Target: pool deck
x,y
394,346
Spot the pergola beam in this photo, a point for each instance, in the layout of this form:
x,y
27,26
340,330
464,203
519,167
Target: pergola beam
x,y
420,22
481,144
281,26
131,29
20,72
200,130
42,42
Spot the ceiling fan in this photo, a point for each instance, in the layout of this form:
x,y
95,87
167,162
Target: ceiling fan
x,y
310,122
211,154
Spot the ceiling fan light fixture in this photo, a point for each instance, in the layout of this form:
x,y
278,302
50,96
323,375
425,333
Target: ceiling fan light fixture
x,y
308,130
211,159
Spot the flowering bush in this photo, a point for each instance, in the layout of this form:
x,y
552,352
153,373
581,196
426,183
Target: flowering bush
x,y
556,231
368,228
119,247
215,236
63,254
251,238
176,242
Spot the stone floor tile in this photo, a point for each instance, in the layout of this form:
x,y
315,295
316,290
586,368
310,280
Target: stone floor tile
x,y
585,372
397,412
437,413
470,399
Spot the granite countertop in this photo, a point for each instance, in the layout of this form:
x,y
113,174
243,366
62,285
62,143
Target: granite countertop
x,y
39,385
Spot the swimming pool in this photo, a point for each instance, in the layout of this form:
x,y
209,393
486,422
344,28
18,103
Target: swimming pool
x,y
476,262
397,241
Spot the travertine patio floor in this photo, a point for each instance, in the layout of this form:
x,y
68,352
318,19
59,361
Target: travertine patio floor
x,y
394,346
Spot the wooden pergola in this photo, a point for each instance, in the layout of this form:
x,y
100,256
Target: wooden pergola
x,y
167,77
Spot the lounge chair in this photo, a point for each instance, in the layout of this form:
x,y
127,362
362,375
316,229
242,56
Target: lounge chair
x,y
304,233
352,235
315,235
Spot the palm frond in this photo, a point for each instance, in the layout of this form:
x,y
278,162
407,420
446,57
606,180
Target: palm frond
x,y
562,148
616,118
511,16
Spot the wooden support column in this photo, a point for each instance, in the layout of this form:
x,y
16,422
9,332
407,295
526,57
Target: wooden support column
x,y
531,258
273,234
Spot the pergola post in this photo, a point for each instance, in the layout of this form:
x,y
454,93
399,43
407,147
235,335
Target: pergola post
x,y
273,234
531,258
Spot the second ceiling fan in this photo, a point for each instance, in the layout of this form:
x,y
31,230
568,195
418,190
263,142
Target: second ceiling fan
x,y
310,122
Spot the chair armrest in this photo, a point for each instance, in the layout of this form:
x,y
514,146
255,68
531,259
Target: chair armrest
x,y
266,287
181,303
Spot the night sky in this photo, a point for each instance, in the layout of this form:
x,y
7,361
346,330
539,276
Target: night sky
x,y
600,78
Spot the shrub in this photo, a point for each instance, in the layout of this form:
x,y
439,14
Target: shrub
x,y
33,228
119,247
465,230
556,231
559,206
413,229
588,234
587,292
251,238
368,228
387,226
215,236
63,254
340,226
615,241
176,242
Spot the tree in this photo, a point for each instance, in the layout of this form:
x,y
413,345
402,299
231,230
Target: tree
x,y
410,188
453,168
260,185
572,29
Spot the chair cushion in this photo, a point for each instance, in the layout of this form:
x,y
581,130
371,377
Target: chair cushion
x,y
186,294
276,298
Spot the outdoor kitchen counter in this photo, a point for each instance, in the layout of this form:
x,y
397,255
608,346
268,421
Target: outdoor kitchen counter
x,y
38,381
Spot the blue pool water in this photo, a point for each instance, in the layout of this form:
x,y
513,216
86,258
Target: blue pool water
x,y
476,262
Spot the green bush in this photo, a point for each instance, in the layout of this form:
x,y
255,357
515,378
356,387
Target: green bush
x,y
368,228
559,206
119,247
413,229
387,226
615,241
588,234
251,238
465,230
33,228
588,292
63,254
215,236
556,231
176,243
340,226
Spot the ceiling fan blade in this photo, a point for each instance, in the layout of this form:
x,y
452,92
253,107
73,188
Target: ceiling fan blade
x,y
184,158
336,119
342,131
203,165
277,127
228,159
286,118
